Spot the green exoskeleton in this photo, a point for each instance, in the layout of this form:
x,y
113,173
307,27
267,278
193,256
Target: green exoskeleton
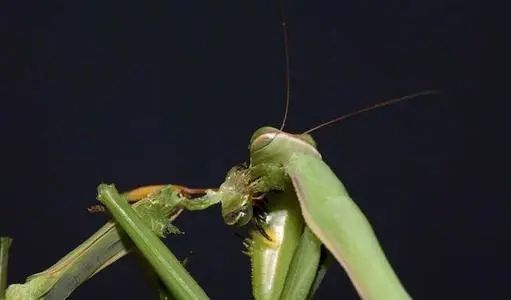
x,y
302,213
328,211
299,208
306,206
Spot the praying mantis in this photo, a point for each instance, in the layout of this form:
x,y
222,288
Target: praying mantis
x,y
297,204
285,251
307,205
287,172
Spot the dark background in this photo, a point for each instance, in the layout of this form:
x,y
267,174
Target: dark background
x,y
142,92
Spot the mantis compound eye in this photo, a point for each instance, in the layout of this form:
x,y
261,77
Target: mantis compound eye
x,y
262,138
240,216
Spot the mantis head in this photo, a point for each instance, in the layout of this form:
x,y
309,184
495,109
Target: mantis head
x,y
271,145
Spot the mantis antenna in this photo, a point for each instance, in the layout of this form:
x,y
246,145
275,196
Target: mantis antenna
x,y
283,24
373,107
281,7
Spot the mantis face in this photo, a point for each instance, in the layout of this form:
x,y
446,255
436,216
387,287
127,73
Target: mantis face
x,y
269,148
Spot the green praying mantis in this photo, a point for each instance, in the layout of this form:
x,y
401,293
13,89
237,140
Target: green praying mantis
x,y
302,213
303,220
298,205
306,207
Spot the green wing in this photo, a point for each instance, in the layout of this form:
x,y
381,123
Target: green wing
x,y
342,227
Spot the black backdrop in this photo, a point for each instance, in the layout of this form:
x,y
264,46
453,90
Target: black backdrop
x,y
141,92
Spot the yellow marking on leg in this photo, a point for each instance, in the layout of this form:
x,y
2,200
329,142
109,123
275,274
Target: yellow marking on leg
x,y
142,192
